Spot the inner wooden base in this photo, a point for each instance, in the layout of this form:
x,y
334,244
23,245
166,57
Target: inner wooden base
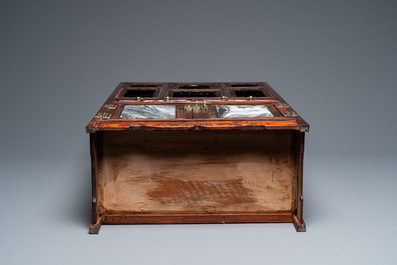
x,y
181,218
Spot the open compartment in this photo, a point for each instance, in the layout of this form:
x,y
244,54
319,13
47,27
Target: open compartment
x,y
218,172
249,93
139,92
195,94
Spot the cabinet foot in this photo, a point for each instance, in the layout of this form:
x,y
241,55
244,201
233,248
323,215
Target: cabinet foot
x,y
94,228
300,225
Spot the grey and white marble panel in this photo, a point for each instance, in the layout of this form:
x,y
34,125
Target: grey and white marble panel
x,y
148,112
234,111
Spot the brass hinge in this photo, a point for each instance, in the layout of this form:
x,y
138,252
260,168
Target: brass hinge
x,y
188,107
290,113
204,107
282,105
196,107
110,106
103,115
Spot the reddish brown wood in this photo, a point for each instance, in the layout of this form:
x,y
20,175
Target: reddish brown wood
x,y
94,173
183,218
299,224
121,125
94,227
227,196
301,139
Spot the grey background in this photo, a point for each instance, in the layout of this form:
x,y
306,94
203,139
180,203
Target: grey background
x,y
333,61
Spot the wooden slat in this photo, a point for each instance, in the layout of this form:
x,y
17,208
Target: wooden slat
x,y
198,125
179,218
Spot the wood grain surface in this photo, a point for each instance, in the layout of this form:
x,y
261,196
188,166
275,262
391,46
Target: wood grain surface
x,y
197,172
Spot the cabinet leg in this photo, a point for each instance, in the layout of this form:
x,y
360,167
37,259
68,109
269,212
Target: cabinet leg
x,y
300,225
94,228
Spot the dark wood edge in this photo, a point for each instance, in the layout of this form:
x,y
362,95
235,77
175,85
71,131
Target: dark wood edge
x,y
187,120
181,218
96,156
163,90
300,153
183,101
95,227
304,125
198,126
120,126
294,175
94,171
299,224
225,91
91,127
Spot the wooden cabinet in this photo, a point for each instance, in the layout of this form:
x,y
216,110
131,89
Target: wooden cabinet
x,y
196,153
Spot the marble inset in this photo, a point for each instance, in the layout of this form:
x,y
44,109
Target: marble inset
x,y
148,112
233,111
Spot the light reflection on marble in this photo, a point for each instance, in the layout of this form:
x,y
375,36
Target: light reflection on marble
x,y
232,111
148,112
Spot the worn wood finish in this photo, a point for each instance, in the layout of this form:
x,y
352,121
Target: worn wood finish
x,y
298,215
271,98
200,172
196,167
194,218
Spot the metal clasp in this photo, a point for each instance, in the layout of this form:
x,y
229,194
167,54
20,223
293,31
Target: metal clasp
x,y
103,115
196,107
204,107
110,106
188,107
